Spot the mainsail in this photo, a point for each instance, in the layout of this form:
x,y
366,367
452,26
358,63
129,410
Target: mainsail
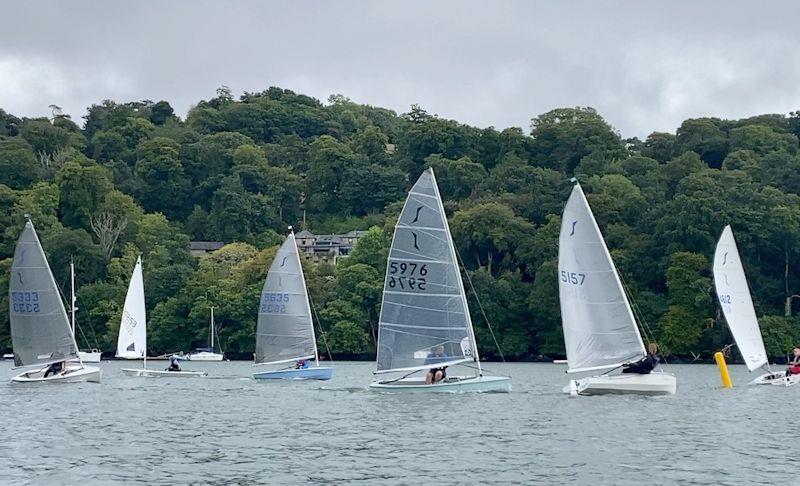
x,y
424,305
599,328
40,330
132,341
737,305
285,330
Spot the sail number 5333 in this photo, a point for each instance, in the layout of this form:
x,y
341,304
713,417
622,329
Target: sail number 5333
x,y
573,278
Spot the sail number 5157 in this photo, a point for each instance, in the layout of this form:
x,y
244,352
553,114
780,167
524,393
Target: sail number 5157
x,y
573,278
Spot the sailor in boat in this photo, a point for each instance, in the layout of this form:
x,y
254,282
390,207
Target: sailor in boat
x,y
794,364
645,365
301,364
174,365
435,375
55,368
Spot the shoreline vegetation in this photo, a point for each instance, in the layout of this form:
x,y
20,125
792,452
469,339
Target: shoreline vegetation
x,y
132,178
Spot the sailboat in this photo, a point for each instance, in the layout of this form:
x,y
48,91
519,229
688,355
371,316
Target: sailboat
x,y
40,330
424,307
600,331
285,330
132,340
207,354
737,306
93,355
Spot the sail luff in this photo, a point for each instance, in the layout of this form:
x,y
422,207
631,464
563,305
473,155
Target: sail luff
x,y
597,319
733,293
453,255
307,300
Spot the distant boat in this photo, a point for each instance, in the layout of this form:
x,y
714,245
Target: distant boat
x,y
285,330
8,356
424,307
207,354
734,297
94,355
40,330
600,331
132,340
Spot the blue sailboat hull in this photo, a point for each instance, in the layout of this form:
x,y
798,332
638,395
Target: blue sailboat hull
x,y
318,373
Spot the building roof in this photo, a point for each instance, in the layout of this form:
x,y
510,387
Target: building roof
x,y
354,234
305,234
206,245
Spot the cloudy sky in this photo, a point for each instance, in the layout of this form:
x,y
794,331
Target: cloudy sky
x,y
645,65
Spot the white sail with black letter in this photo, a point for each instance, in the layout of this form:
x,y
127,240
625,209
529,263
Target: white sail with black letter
x,y
285,331
424,305
737,304
600,331
132,339
40,329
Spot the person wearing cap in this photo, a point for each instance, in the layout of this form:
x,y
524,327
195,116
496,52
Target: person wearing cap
x,y
301,364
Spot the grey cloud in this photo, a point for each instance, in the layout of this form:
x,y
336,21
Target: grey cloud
x,y
644,65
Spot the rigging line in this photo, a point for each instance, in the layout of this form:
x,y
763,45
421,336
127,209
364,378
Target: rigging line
x,y
648,332
321,330
480,306
402,377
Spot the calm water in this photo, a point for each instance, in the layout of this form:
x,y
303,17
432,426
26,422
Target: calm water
x,y
228,429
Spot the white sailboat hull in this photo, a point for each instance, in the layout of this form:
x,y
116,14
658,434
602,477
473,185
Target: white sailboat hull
x,y
89,356
205,356
145,373
456,384
778,378
657,383
73,374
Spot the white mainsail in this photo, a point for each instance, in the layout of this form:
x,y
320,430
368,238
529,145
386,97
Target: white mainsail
x,y
424,305
132,341
600,331
40,329
285,331
737,304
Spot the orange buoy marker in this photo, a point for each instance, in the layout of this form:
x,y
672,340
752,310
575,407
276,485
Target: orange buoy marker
x,y
723,370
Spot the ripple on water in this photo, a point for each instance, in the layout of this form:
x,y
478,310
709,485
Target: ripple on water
x,y
229,429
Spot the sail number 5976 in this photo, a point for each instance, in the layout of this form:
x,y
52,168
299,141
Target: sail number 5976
x,y
573,278
407,275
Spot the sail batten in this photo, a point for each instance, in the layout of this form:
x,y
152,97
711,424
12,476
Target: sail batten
x,y
424,306
734,297
132,339
285,330
600,330
40,329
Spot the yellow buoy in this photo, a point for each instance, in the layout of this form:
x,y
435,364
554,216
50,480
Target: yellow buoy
x,y
723,370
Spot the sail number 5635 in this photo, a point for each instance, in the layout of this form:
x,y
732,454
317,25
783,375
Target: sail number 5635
x,y
572,277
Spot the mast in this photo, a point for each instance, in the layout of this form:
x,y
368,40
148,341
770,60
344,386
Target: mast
x,y
305,291
212,328
72,294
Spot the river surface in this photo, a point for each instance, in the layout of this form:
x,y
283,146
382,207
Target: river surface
x,y
229,429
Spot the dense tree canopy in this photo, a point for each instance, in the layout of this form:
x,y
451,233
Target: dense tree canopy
x,y
138,180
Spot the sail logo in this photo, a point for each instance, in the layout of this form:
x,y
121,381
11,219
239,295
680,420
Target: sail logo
x,y
573,227
416,216
725,258
128,319
283,263
415,240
